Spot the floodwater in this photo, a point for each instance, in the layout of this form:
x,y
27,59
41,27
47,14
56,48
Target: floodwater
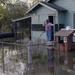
x,y
56,64
62,63
65,63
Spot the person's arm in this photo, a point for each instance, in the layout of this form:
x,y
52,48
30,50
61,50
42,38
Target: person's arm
x,y
44,24
52,24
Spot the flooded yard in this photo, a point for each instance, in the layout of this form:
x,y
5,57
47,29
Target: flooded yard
x,y
65,63
45,61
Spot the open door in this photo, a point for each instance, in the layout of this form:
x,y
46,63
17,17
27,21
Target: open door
x,y
51,20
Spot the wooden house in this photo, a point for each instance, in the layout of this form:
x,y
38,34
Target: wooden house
x,y
60,12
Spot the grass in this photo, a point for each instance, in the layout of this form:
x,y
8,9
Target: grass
x,y
41,57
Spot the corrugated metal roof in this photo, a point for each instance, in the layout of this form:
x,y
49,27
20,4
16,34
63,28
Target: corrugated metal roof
x,y
54,6
64,32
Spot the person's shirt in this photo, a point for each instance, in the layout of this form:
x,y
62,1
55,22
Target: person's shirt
x,y
47,25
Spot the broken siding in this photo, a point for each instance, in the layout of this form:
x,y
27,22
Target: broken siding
x,y
70,6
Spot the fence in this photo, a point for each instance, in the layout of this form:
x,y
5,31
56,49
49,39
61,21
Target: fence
x,y
44,59
11,55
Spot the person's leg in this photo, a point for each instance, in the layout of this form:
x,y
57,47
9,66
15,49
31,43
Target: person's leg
x,y
49,34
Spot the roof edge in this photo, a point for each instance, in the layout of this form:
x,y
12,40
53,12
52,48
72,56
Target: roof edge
x,y
40,4
21,18
32,7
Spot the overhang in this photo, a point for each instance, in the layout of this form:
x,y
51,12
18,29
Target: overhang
x,y
54,6
50,0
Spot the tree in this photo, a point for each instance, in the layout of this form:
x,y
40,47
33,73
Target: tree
x,y
17,9
9,11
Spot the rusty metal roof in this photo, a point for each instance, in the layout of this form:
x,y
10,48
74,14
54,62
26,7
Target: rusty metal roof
x,y
64,32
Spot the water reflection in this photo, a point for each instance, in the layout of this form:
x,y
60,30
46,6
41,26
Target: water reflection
x,y
66,62
42,66
50,62
12,54
53,64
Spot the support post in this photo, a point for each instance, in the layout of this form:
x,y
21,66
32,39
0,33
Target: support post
x,y
3,58
29,54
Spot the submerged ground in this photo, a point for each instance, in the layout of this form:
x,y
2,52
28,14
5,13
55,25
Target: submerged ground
x,y
45,61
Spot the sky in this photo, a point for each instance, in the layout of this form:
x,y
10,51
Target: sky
x,y
29,1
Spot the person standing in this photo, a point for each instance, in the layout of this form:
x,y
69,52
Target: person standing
x,y
48,30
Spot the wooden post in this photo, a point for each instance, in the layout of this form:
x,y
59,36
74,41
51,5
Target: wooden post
x,y
3,58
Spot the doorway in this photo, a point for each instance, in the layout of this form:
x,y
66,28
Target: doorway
x,y
50,18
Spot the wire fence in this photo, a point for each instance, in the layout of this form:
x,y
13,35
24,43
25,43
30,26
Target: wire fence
x,y
10,56
45,60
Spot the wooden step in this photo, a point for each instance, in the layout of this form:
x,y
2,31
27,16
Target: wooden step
x,y
50,43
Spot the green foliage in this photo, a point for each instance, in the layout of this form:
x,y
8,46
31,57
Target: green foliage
x,y
1,12
18,10
41,57
9,11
